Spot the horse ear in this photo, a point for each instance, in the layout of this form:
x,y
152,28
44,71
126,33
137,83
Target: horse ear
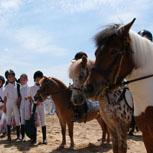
x,y
124,30
84,61
44,77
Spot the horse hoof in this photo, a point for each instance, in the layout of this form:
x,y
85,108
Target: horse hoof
x,y
61,146
72,146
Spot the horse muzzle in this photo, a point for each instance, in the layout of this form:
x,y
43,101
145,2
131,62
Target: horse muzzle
x,y
38,98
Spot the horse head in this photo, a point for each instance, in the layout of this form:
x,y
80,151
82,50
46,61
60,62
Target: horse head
x,y
44,90
78,72
113,59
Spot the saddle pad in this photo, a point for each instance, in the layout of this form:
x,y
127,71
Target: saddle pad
x,y
92,105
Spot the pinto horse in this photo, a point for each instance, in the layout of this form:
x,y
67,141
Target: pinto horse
x,y
61,96
122,53
116,106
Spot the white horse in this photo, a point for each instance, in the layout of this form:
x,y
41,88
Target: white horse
x,y
133,58
116,107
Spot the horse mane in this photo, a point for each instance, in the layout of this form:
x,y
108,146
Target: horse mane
x,y
103,36
76,66
143,50
60,83
142,47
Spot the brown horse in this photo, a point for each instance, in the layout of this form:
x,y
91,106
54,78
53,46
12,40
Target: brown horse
x,y
123,53
62,98
116,106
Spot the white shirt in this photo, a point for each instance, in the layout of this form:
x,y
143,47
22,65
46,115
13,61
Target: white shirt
x,y
10,92
2,93
33,90
24,93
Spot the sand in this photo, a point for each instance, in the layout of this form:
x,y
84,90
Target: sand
x,y
85,137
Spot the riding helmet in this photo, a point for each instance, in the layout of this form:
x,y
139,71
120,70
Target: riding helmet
x,y
37,74
2,79
79,55
9,72
145,33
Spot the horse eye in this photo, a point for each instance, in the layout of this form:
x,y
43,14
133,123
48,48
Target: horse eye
x,y
81,77
114,52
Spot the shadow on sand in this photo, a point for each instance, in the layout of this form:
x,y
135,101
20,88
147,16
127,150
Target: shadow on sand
x,y
88,149
136,137
21,146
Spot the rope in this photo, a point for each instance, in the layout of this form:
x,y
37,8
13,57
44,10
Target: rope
x,y
137,79
121,86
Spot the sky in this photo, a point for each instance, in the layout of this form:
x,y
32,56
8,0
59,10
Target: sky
x,y
45,34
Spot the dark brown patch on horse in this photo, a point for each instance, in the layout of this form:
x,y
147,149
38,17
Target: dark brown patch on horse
x,y
145,123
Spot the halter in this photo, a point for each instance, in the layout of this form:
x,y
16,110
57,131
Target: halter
x,y
118,59
79,89
41,95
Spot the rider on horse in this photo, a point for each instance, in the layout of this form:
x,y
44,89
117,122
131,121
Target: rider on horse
x,y
145,33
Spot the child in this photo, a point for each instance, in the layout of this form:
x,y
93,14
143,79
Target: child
x,y
2,114
11,102
2,81
40,107
24,104
3,127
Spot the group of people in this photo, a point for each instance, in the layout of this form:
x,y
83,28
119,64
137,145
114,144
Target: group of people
x,y
16,101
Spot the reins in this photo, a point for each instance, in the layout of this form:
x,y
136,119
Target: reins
x,y
137,79
121,85
57,92
75,88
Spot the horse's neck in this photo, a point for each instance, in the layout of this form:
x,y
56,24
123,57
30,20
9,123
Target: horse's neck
x,y
142,55
143,58
59,94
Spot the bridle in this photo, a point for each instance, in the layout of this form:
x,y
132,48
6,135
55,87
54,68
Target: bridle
x,y
126,43
41,95
87,73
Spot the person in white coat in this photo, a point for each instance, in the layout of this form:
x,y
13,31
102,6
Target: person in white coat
x,y
24,106
3,128
12,101
40,106
2,81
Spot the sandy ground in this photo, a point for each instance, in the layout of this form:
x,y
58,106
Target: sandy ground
x,y
85,138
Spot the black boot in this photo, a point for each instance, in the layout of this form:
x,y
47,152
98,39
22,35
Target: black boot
x,y
23,133
44,134
18,132
34,139
9,132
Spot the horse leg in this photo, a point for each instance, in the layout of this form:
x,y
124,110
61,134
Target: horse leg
x,y
122,139
104,130
145,125
70,128
114,141
148,141
63,130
